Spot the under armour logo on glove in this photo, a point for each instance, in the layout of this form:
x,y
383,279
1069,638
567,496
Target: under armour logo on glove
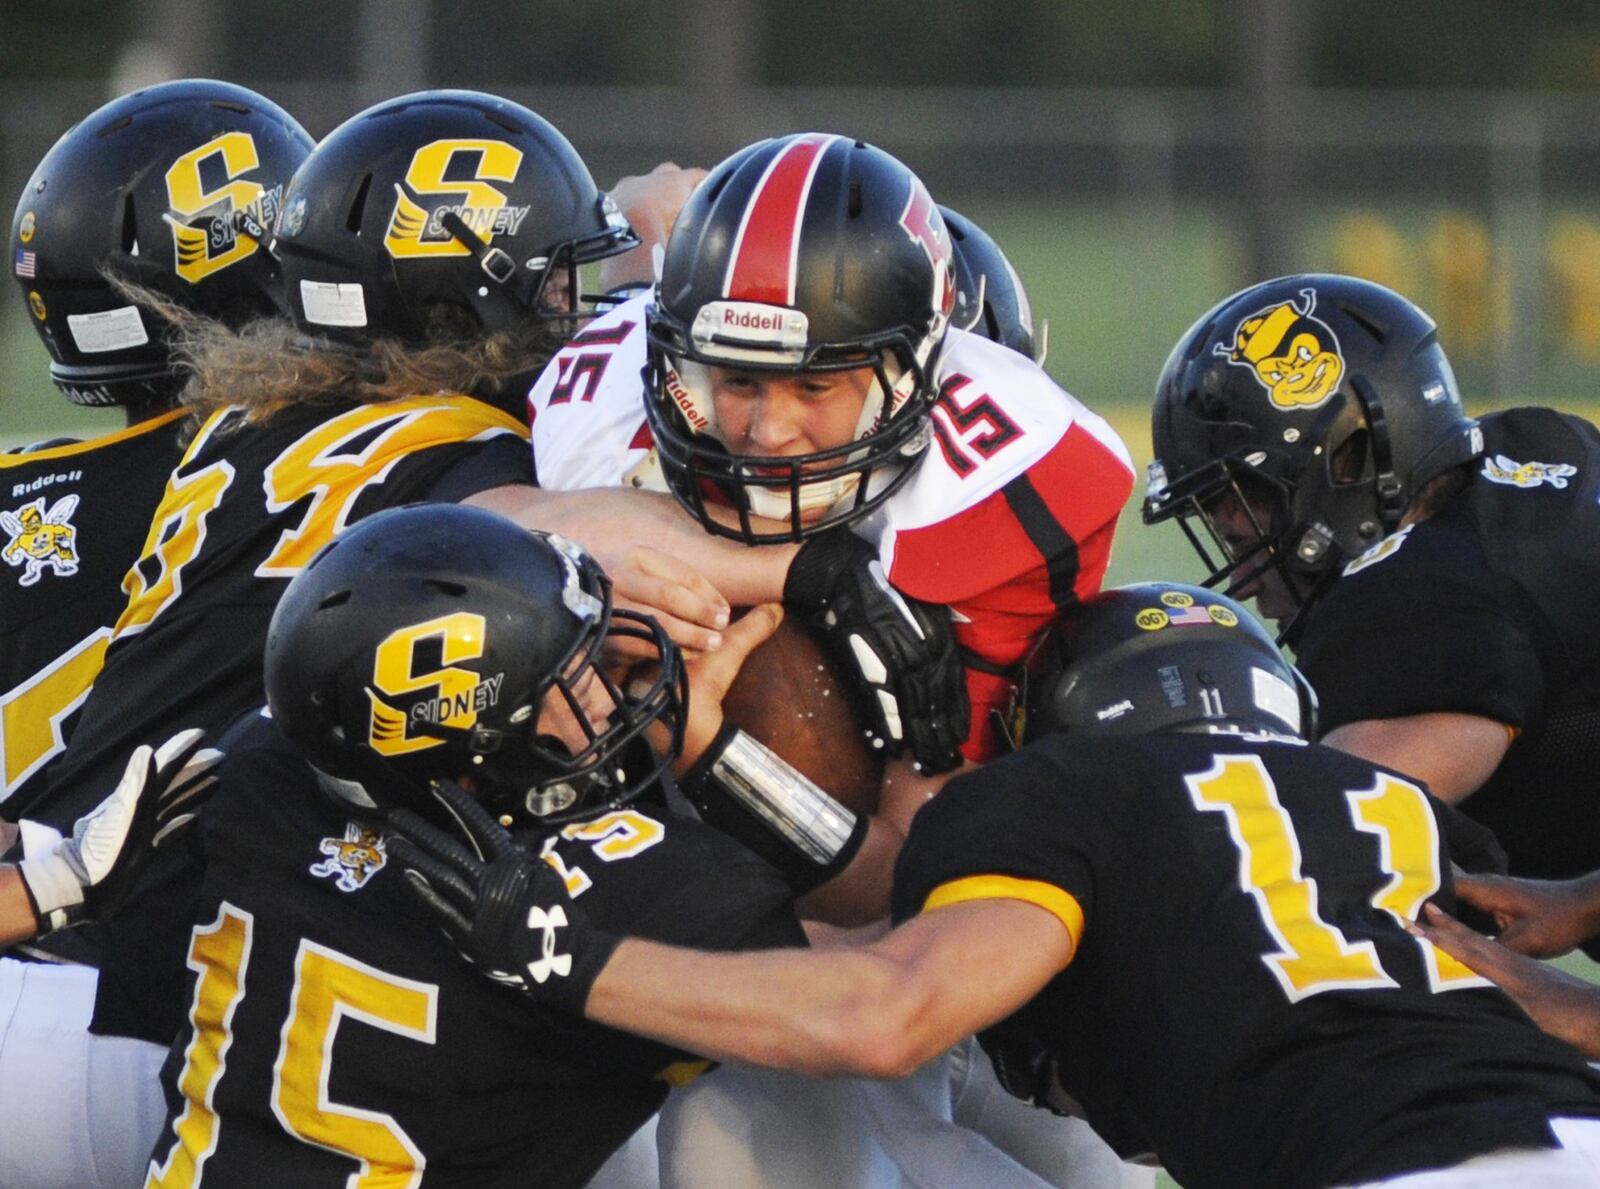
x,y
551,962
499,902
910,681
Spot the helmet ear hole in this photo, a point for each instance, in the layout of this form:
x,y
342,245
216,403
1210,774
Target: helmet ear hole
x,y
1348,462
445,587
1363,319
358,205
130,226
717,186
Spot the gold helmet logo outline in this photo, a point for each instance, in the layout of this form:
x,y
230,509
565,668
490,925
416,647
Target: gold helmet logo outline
x,y
1293,355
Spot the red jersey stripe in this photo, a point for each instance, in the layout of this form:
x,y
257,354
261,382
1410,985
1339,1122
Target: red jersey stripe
x,y
767,246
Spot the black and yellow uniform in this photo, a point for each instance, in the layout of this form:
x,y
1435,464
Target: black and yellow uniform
x,y
74,518
1243,1001
245,509
1487,608
334,1029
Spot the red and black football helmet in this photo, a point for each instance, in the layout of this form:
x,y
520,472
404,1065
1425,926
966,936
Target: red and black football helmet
x,y
440,200
1319,406
420,644
174,187
806,253
990,299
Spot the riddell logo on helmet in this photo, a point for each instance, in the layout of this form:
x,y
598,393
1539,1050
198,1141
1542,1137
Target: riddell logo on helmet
x,y
750,323
752,319
685,403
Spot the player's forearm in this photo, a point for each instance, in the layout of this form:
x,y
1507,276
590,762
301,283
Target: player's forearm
x,y
1452,753
858,895
1586,901
906,790
609,521
18,921
834,1013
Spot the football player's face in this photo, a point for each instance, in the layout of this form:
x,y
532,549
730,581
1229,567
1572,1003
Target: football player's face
x,y
1240,526
556,298
780,415
557,721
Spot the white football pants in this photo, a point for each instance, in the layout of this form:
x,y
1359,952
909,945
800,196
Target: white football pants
x,y
77,1111
1574,1165
948,1124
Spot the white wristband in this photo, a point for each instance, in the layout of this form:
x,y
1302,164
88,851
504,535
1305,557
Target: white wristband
x,y
783,797
54,886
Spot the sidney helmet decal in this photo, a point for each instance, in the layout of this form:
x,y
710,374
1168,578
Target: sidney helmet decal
x,y
461,170
453,695
1294,356
219,215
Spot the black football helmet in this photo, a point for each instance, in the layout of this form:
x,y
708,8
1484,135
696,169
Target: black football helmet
x,y
990,299
1315,407
420,645
440,200
174,187
803,254
1160,656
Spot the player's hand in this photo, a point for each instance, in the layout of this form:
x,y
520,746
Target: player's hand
x,y
681,599
651,203
506,910
712,674
1561,1004
88,874
1538,917
901,652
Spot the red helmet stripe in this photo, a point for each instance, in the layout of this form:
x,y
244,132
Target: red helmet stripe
x,y
765,251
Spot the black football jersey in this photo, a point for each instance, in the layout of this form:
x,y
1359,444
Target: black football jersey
x,y
1486,609
74,518
247,506
1244,1002
334,1030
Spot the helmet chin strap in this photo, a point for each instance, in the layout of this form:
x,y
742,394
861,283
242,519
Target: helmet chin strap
x,y
497,265
1391,493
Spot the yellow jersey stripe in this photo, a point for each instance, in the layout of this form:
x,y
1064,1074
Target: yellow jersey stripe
x,y
1061,905
13,459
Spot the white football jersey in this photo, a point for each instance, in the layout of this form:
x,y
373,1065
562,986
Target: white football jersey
x,y
1007,519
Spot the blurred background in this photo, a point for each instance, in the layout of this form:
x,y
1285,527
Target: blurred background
x,y
1137,160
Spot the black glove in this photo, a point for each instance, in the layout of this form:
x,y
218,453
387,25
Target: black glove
x,y
87,875
1027,1070
506,909
911,684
